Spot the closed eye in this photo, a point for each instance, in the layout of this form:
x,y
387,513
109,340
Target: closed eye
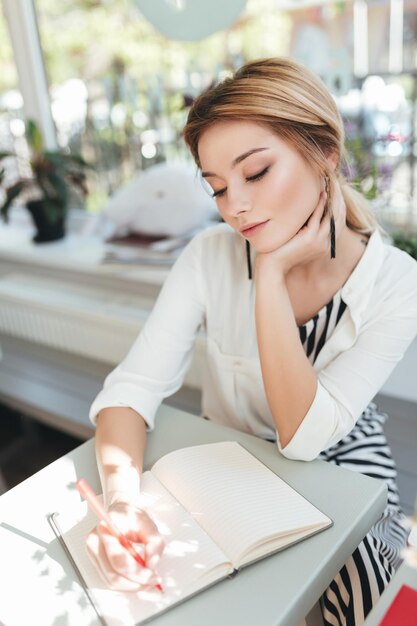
x,y
218,193
250,179
258,175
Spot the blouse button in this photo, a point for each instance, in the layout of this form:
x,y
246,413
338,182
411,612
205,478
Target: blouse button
x,y
237,362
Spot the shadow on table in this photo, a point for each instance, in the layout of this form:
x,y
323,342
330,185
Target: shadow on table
x,y
64,583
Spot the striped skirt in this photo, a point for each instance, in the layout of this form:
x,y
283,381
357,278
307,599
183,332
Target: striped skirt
x,y
363,578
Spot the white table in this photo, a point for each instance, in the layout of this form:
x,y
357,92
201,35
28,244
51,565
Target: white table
x,y
39,588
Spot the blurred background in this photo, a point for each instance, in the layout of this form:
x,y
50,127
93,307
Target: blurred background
x,y
119,89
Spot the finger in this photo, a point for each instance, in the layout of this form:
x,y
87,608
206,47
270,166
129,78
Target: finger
x,y
322,234
326,234
128,519
154,548
134,523
338,211
98,557
342,211
141,528
121,561
339,207
148,535
311,222
318,214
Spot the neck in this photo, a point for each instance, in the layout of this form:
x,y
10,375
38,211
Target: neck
x,y
350,246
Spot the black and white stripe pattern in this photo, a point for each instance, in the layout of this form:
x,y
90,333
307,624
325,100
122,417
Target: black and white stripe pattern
x,y
315,332
360,582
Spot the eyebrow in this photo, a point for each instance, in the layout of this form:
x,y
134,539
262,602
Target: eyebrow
x,y
237,160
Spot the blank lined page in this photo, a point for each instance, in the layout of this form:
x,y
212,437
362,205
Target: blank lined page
x,y
190,560
235,497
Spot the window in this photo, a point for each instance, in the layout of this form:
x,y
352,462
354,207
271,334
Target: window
x,y
120,90
12,127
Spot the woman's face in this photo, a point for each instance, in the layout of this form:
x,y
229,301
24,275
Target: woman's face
x,y
258,178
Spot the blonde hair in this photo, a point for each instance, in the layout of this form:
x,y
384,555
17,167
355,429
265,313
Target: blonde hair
x,y
291,100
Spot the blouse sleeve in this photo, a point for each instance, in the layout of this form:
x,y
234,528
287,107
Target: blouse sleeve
x,y
347,385
156,364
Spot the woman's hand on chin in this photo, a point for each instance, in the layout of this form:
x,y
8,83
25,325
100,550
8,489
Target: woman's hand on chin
x,y
310,243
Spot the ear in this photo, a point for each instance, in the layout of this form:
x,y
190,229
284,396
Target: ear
x,y
332,160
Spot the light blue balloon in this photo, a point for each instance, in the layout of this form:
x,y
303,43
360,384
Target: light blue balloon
x,y
190,20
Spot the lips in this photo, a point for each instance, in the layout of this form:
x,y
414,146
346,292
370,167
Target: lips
x,y
249,227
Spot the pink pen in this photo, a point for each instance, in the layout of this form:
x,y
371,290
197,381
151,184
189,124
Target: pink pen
x,y
96,506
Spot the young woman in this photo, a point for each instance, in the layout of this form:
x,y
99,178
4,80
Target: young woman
x,y
305,308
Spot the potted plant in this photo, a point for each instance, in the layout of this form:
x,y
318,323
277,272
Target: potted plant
x,y
47,191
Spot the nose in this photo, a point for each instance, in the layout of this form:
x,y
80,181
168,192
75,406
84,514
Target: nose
x,y
237,202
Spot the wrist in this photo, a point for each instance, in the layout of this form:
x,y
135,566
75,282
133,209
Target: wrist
x,y
268,267
114,498
122,485
269,274
122,506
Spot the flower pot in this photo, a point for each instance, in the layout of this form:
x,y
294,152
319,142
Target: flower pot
x,y
47,230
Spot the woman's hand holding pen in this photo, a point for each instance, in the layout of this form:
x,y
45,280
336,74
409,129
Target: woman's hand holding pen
x,y
311,242
114,562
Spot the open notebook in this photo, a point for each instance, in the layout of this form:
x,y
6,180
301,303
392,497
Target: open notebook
x,y
218,507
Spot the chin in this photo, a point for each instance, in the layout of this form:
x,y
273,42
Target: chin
x,y
264,247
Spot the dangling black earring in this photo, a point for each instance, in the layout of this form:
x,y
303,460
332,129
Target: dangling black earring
x,y
332,238
332,224
248,260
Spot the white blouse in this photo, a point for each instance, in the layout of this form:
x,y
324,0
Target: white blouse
x,y
208,289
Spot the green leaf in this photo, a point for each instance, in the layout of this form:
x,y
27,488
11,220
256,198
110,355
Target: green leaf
x,y
60,186
68,161
78,160
34,136
54,157
11,194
